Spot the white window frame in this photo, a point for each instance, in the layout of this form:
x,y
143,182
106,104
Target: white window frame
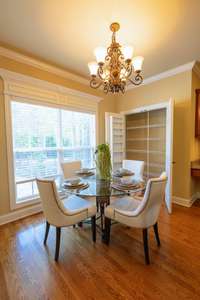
x,y
26,89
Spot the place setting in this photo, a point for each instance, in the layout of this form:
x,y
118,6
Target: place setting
x,y
128,184
75,183
85,172
122,172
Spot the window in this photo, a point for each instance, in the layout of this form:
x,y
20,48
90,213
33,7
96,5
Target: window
x,y
43,137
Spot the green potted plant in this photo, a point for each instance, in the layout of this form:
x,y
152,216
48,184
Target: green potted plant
x,y
103,161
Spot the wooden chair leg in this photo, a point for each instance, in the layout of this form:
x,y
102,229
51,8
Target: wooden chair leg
x,y
107,230
80,224
155,227
146,247
46,232
93,221
58,233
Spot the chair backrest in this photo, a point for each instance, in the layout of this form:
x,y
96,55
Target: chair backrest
x,y
52,206
69,168
153,197
137,166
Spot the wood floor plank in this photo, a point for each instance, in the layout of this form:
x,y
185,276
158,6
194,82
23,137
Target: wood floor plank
x,y
96,271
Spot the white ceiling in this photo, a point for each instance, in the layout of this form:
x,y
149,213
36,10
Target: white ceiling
x,y
65,32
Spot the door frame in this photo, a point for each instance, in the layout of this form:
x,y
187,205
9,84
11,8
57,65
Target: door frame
x,y
169,106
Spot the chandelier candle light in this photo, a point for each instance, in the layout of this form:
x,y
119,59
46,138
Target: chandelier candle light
x,y
115,66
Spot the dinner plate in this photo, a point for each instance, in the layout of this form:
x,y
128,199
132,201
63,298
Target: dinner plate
x,y
118,173
84,173
126,187
75,186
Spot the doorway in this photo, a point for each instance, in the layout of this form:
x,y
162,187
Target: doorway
x,y
146,134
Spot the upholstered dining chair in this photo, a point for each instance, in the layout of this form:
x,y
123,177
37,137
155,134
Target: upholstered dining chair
x,y
136,166
140,214
66,212
69,168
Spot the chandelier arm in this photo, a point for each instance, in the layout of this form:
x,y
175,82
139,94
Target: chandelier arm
x,y
95,84
137,80
129,70
106,89
100,72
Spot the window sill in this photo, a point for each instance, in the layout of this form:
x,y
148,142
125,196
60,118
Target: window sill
x,y
26,202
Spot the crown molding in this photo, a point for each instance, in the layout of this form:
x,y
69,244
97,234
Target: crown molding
x,y
66,74
169,73
14,80
41,65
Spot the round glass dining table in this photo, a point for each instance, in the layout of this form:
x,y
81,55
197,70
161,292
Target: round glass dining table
x,y
101,190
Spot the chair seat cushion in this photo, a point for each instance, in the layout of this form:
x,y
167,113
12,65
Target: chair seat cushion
x,y
125,204
74,203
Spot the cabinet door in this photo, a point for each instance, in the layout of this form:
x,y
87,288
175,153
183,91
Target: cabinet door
x,y
115,137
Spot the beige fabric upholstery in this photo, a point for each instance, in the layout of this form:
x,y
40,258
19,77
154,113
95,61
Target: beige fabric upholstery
x,y
125,203
69,211
136,213
69,168
136,166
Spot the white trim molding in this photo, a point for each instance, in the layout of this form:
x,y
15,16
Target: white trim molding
x,y
169,73
27,89
22,85
169,106
42,65
184,201
19,214
36,63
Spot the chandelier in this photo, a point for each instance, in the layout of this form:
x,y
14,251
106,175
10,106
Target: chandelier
x,y
115,68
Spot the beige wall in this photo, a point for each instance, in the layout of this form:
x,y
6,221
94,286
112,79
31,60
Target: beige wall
x,y
178,88
107,104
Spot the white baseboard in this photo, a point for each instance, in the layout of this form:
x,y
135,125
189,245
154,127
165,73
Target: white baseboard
x,y
184,201
20,213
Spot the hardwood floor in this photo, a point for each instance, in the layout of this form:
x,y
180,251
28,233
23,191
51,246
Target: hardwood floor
x,y
88,271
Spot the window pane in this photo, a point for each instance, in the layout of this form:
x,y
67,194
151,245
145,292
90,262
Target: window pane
x,y
26,190
44,136
78,136
35,143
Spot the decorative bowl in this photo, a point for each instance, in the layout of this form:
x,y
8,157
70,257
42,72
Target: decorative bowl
x,y
126,180
73,180
85,170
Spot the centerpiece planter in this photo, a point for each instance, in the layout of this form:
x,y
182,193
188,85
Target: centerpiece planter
x,y
103,162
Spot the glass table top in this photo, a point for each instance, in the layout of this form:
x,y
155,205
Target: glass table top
x,y
96,187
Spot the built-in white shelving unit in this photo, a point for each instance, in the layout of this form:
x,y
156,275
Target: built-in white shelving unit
x,y
138,136
115,136
146,140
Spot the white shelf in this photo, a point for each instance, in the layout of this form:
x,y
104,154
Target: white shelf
x,y
145,126
145,151
144,139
